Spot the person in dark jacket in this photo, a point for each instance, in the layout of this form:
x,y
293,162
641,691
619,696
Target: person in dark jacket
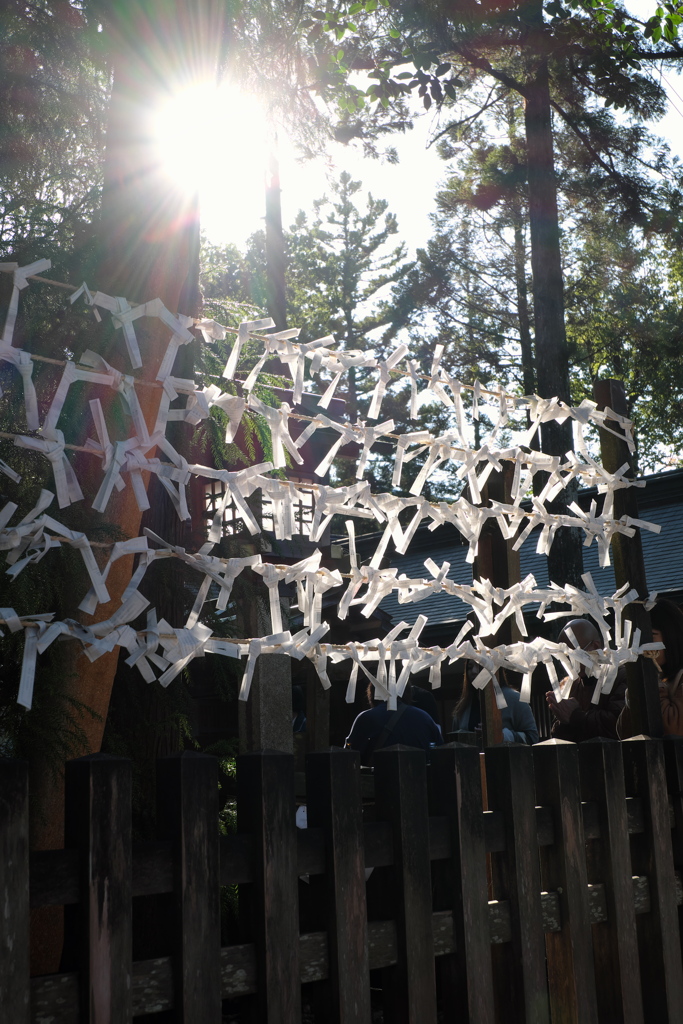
x,y
519,724
424,699
577,718
377,728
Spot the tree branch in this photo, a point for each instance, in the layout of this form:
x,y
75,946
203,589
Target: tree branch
x,y
465,120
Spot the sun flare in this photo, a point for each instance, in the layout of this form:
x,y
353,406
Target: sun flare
x,y
212,139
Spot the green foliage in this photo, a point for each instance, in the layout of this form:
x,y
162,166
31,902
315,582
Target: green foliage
x,y
471,286
339,272
55,89
598,57
344,278
624,315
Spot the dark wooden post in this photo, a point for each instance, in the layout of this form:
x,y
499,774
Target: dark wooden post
x,y
519,966
652,856
269,907
629,567
97,822
571,977
14,896
615,941
335,806
187,814
455,792
496,561
673,760
401,799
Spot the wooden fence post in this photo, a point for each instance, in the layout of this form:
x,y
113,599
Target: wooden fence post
x,y
269,907
651,855
334,805
455,792
14,895
615,941
401,799
187,814
629,567
673,760
519,966
97,822
571,978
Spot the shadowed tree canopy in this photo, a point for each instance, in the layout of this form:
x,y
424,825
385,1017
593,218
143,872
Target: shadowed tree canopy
x,y
563,61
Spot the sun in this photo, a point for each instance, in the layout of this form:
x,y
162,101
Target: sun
x,y
212,139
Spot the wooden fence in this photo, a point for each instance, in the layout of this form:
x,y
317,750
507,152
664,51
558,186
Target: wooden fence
x,y
559,902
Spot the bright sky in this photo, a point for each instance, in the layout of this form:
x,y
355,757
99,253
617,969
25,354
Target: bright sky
x,y
409,187
233,166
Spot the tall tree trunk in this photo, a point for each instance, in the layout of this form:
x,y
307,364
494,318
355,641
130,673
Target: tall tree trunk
x,y
149,248
526,342
275,244
565,561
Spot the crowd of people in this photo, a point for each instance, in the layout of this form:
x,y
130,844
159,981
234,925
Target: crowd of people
x,y
577,717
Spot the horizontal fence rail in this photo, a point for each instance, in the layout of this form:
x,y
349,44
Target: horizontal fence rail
x,y
54,878
552,894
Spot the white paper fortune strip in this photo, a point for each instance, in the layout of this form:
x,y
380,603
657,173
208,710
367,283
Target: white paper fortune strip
x,y
366,586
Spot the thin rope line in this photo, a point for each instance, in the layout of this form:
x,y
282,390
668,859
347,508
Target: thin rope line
x,y
233,330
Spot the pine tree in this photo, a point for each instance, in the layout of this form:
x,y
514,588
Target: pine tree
x,y
341,272
535,53
624,311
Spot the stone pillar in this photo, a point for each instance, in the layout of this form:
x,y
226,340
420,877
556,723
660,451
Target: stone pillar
x,y
265,720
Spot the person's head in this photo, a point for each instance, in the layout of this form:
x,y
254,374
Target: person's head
x,y
586,637
373,699
424,700
667,628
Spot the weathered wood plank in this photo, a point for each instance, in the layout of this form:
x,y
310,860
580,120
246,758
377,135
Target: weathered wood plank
x,y
14,891
98,794
269,910
187,813
238,970
608,862
152,985
401,799
54,873
652,856
673,762
520,972
314,959
55,998
460,882
571,978
382,944
334,807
